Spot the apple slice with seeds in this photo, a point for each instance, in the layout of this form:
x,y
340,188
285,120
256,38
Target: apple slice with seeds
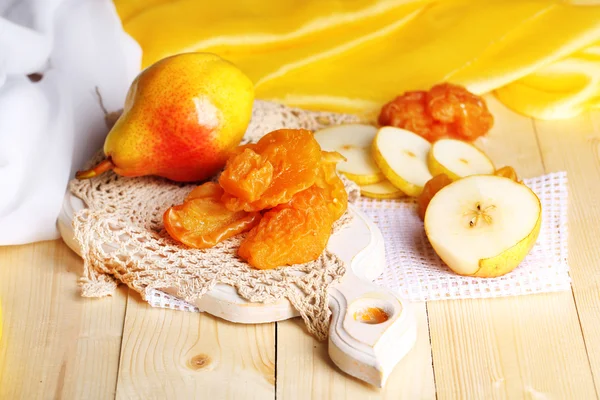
x,y
483,225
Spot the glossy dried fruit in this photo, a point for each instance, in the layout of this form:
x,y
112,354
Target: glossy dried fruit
x,y
465,113
329,180
508,172
207,190
409,112
432,186
202,220
253,176
446,110
371,315
282,163
292,233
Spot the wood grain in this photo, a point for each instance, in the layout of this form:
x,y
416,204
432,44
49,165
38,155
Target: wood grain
x,y
169,354
574,146
304,370
55,343
518,347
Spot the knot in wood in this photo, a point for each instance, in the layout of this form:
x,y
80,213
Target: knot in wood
x,y
200,361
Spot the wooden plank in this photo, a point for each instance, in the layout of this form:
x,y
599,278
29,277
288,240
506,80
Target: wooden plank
x,y
304,370
55,343
574,146
529,346
169,354
517,347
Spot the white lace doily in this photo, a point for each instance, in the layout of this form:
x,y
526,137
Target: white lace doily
x,y
416,273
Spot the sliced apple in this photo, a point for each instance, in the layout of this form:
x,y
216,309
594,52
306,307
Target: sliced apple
x,y
483,225
381,190
353,141
457,159
402,157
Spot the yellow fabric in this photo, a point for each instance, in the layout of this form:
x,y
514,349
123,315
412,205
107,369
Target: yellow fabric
x,y
354,55
562,89
325,49
169,27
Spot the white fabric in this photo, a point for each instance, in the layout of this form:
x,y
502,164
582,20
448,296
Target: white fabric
x,y
416,273
49,128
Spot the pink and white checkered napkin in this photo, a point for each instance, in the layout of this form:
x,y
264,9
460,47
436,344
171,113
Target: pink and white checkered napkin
x,y
416,273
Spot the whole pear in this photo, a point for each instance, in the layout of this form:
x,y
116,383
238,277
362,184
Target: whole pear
x,y
182,115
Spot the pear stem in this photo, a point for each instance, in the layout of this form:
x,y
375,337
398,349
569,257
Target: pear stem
x,y
100,168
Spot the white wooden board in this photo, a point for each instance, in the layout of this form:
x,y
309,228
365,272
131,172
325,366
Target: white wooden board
x,y
365,348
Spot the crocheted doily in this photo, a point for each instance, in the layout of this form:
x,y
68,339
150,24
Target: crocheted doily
x,y
122,238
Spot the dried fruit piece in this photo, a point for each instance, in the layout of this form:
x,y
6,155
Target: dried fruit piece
x,y
465,113
282,163
253,176
292,233
202,220
207,190
328,179
446,110
433,186
409,112
371,315
508,172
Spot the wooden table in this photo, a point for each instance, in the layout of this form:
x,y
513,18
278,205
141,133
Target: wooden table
x,y
57,345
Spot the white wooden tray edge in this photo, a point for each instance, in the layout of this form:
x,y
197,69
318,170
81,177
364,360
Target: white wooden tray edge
x,y
366,351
